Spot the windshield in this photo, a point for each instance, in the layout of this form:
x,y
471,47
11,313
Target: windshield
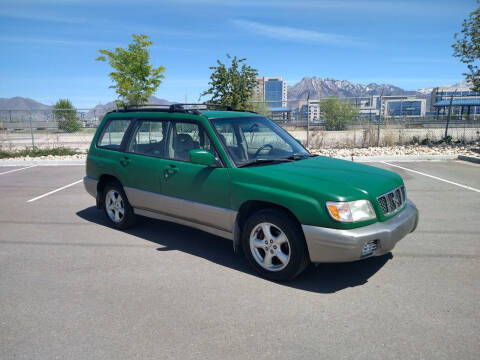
x,y
256,139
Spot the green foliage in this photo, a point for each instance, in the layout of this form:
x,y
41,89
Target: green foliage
x,y
35,152
231,85
467,47
337,114
426,141
66,116
135,79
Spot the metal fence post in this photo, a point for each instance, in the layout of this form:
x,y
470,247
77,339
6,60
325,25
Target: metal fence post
x,y
379,119
308,120
449,114
31,131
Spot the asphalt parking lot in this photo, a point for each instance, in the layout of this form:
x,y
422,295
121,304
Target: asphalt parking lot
x,y
73,288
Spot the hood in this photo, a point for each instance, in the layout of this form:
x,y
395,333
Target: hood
x,y
328,178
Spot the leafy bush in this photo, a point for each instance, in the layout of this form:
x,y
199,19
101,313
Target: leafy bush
x,y
66,116
337,114
426,141
35,152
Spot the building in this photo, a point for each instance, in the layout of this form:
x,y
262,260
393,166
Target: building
x,y
459,97
392,105
272,90
310,111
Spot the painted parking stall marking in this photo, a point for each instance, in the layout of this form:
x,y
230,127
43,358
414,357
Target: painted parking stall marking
x,y
24,168
54,191
433,177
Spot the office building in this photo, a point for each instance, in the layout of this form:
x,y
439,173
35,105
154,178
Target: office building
x,y
272,90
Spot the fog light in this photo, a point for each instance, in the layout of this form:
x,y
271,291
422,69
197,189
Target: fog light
x,y
369,248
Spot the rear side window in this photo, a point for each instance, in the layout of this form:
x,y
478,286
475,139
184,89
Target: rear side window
x,y
113,133
148,139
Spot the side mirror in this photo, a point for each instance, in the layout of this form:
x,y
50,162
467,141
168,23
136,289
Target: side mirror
x,y
201,157
299,141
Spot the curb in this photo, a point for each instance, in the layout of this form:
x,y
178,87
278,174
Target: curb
x,y
42,162
472,159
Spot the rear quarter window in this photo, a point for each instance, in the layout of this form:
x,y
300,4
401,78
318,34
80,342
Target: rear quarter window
x,y
113,133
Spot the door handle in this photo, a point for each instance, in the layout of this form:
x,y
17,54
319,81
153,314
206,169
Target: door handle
x,y
169,171
125,161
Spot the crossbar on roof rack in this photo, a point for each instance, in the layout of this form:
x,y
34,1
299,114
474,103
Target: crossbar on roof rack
x,y
193,108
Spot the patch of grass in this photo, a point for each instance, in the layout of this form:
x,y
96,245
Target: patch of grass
x,y
35,152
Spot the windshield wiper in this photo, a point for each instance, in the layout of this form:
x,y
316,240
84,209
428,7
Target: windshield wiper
x,y
262,161
297,156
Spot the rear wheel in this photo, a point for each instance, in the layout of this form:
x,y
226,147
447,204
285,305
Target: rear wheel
x,y
274,245
117,209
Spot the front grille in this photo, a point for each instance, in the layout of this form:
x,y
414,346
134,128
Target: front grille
x,y
392,201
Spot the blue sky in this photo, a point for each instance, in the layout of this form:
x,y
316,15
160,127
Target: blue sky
x,y
48,48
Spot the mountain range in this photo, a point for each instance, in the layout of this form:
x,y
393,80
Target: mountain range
x,y
100,110
20,103
313,87
323,87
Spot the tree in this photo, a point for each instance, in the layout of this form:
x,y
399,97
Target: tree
x,y
66,116
467,47
337,114
231,85
135,79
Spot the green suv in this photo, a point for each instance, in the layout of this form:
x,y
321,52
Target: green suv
x,y
240,176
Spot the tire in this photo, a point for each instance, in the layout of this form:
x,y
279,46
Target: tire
x,y
274,245
117,209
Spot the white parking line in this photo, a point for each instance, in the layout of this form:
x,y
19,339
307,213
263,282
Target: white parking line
x,y
54,191
10,171
433,177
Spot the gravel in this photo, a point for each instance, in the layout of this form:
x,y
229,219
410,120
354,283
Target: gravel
x,y
472,150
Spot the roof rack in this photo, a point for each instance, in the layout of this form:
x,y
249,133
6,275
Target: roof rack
x,y
177,107
186,108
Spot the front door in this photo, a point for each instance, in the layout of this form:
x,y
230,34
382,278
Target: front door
x,y
195,192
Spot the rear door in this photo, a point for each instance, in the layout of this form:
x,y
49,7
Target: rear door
x,y
109,158
144,161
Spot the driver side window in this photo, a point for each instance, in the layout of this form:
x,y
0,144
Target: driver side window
x,y
230,138
186,136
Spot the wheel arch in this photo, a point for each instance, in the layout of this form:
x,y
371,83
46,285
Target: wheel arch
x,y
102,182
251,206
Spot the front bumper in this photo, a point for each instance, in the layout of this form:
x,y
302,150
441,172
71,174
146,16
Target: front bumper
x,y
335,245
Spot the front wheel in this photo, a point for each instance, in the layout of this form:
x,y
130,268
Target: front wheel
x,y
118,210
274,245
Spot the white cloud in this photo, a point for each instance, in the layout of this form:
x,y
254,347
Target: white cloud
x,y
72,42
39,16
287,33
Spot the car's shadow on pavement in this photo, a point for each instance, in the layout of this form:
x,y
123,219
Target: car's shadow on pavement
x,y
322,278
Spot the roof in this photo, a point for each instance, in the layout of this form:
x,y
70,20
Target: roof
x,y
207,110
222,114
459,102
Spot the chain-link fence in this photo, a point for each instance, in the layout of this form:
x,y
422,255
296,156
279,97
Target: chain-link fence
x,y
317,123
20,129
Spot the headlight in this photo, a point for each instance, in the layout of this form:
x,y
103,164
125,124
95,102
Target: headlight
x,y
352,211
